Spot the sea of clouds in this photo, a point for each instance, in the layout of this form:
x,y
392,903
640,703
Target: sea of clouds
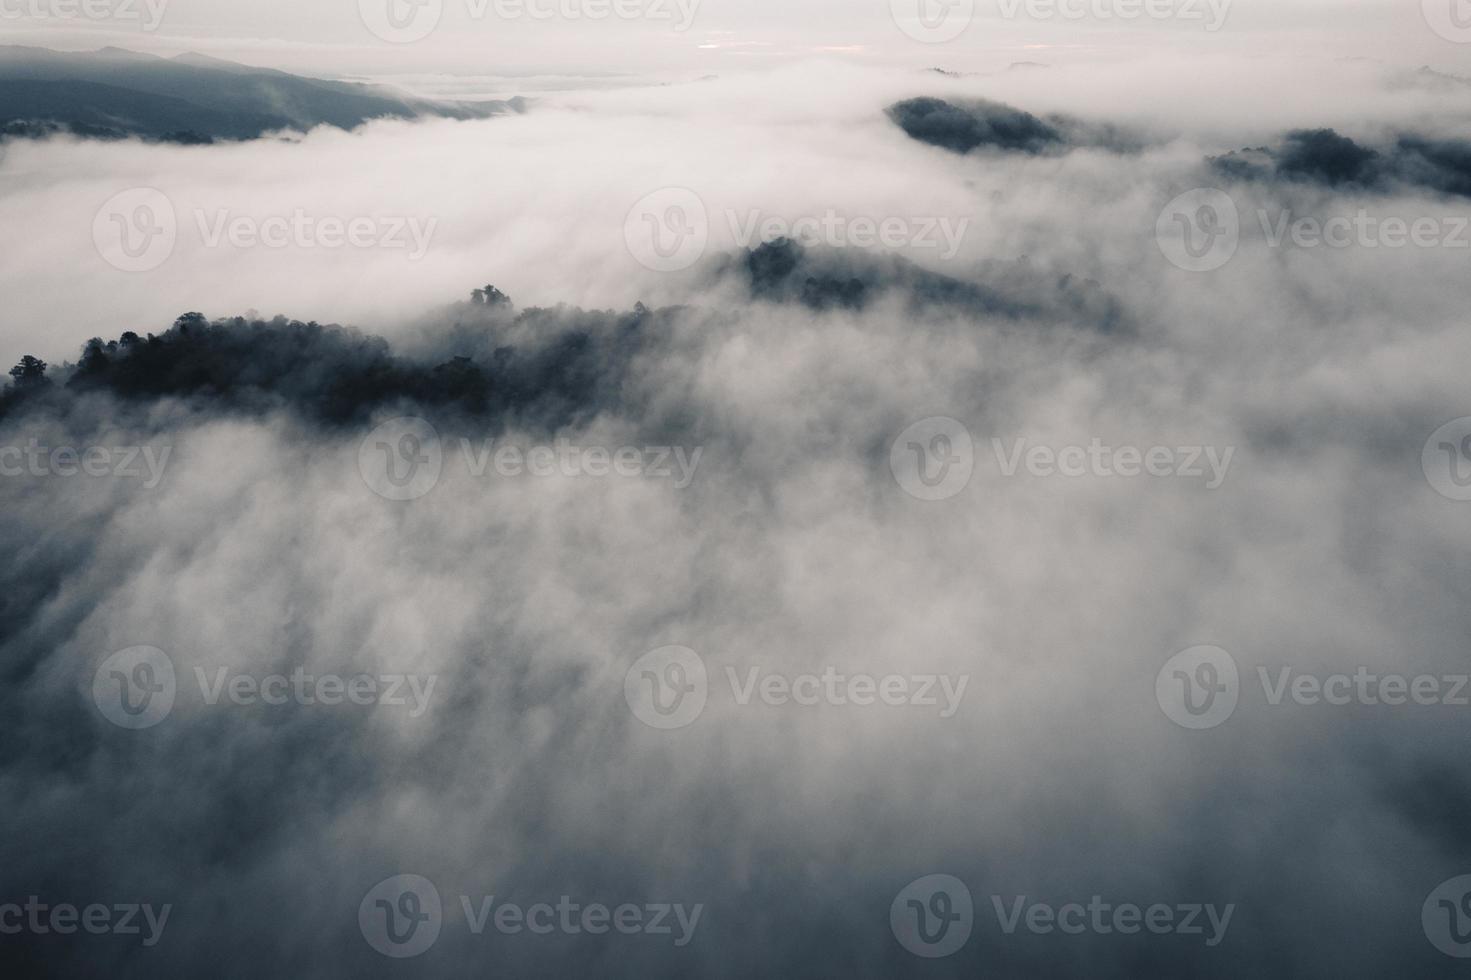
x,y
799,544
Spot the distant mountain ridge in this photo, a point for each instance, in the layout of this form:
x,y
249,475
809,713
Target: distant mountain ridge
x,y
191,98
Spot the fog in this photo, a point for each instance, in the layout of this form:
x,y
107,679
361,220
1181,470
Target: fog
x,y
537,203
1314,376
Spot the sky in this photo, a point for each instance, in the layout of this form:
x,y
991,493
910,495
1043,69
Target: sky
x,y
699,36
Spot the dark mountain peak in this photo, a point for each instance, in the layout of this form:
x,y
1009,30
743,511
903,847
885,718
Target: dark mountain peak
x,y
963,127
118,93
194,59
204,60
116,53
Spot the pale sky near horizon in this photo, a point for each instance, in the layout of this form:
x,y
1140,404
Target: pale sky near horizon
x,y
472,37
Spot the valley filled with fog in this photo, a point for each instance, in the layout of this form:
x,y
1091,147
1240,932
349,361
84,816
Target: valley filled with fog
x,y
677,359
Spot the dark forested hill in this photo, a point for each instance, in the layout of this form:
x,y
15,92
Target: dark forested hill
x,y
193,97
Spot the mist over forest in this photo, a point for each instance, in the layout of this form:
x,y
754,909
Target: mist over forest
x,y
815,517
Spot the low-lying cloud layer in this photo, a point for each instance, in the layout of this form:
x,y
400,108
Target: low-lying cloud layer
x,y
520,502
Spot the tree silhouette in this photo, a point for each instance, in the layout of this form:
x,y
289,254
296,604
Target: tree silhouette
x,y
29,372
94,357
489,296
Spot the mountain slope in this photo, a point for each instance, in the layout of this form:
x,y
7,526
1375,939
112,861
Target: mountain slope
x,y
116,92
